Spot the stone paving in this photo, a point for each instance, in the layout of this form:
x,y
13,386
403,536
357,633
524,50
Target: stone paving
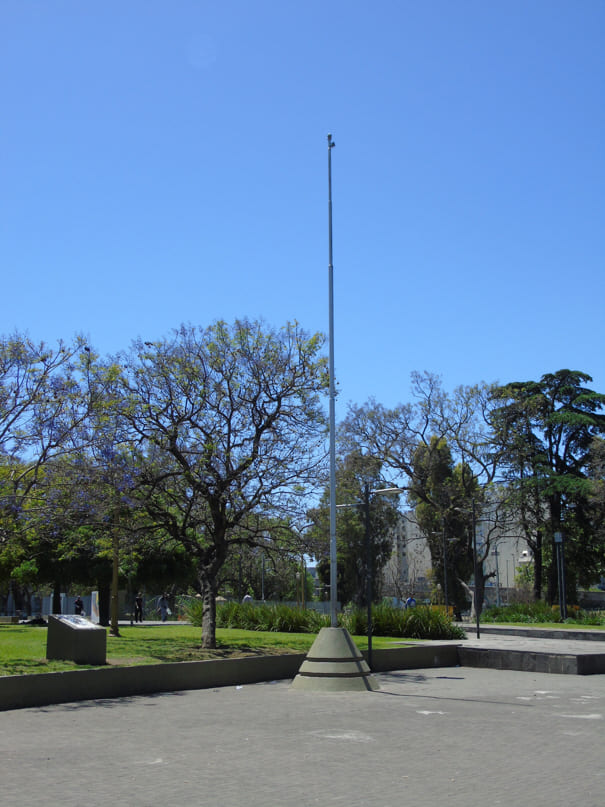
x,y
450,736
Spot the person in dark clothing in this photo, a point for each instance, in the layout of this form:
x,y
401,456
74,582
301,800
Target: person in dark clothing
x,y
78,606
138,608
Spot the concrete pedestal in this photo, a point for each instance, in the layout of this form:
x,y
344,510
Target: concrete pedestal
x,y
335,664
73,638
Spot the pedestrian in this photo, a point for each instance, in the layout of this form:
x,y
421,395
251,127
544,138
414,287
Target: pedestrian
x,y
163,608
138,607
78,606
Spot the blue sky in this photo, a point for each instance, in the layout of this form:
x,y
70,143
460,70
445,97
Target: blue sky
x,y
166,162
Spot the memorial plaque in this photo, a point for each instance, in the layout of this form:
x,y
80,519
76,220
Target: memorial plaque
x,y
74,638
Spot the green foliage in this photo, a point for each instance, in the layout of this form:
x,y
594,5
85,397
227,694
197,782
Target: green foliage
x,y
273,617
540,613
442,495
414,623
230,419
519,612
421,622
546,434
356,476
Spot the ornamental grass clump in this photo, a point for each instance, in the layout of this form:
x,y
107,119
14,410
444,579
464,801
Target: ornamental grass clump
x,y
420,622
273,617
540,613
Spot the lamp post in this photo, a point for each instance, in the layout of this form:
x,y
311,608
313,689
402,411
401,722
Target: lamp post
x,y
444,564
560,550
369,555
366,493
476,568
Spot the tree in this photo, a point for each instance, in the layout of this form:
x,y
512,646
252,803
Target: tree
x,y
546,429
420,442
597,494
44,402
442,508
231,430
266,571
356,476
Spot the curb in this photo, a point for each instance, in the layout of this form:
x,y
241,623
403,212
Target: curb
x,y
43,689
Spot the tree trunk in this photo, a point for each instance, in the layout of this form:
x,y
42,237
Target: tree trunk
x,y
538,568
104,604
471,593
208,590
479,593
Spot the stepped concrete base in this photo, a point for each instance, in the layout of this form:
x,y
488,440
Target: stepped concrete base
x,y
533,661
335,664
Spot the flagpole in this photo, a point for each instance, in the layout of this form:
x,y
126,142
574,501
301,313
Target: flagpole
x,y
333,575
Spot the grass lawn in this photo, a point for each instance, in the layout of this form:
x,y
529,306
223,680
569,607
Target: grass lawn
x,y
23,647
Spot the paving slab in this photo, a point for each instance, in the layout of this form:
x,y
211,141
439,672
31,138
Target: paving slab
x,y
451,736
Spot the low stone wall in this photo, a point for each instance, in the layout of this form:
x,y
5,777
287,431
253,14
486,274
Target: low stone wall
x,y
533,661
414,657
41,689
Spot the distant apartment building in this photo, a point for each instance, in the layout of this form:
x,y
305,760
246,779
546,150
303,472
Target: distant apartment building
x,y
499,542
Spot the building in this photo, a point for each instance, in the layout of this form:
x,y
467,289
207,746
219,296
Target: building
x,y
500,547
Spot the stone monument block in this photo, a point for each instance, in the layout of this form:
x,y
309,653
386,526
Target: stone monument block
x,y
73,638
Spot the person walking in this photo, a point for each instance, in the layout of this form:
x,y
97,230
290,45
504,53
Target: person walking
x,y
163,608
78,606
138,607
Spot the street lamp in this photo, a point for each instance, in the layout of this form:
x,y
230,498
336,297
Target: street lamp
x,y
369,557
444,564
476,568
560,550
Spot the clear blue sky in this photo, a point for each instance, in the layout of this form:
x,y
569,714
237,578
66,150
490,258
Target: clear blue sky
x,y
165,161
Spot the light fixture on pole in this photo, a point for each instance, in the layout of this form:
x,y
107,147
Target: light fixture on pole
x,y
476,570
369,558
559,548
444,565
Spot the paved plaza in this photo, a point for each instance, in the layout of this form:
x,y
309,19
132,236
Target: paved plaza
x,y
449,736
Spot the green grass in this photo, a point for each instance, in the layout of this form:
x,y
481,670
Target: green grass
x,y
23,648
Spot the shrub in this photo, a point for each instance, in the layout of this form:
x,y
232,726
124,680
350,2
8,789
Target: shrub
x,y
529,613
420,622
267,617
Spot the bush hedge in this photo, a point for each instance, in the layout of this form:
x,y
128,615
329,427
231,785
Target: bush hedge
x,y
540,612
420,622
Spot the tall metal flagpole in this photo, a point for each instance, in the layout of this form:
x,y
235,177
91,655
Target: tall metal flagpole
x,y
333,576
